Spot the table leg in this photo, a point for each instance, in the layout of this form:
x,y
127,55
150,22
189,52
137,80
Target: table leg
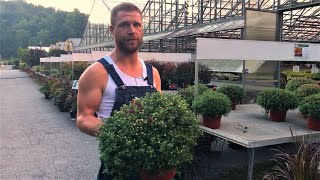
x,y
250,163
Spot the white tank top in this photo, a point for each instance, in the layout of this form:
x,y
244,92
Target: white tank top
x,y
109,94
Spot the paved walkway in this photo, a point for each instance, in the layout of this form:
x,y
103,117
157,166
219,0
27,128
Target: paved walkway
x,y
37,141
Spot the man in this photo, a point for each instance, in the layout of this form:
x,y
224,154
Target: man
x,y
117,78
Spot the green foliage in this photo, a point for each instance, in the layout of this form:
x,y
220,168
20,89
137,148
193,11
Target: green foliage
x,y
24,25
235,92
16,64
79,68
315,76
277,99
37,68
71,102
56,52
226,76
33,57
302,165
59,91
185,71
306,74
46,88
166,70
157,132
295,83
188,93
307,90
22,54
23,65
311,106
212,104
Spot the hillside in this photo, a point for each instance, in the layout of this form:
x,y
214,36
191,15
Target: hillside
x,y
23,25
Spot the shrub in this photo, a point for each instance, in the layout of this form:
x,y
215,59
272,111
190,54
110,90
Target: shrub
x,y
235,93
185,72
311,106
157,132
277,100
166,70
188,93
304,164
315,76
307,90
212,104
60,90
79,68
295,83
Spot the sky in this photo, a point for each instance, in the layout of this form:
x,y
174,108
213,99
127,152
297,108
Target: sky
x,y
83,6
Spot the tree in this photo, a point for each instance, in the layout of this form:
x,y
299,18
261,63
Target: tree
x,y
56,52
22,54
33,57
23,25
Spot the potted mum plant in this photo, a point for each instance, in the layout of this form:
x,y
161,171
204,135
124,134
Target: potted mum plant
x,y
212,105
311,107
307,90
295,83
188,93
45,88
149,138
234,92
277,102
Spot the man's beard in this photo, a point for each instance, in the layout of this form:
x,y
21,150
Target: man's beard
x,y
125,48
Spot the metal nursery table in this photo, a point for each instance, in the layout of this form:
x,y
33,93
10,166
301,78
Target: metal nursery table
x,y
249,127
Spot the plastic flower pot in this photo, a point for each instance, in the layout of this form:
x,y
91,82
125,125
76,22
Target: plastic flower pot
x,y
278,116
314,123
157,175
233,105
212,122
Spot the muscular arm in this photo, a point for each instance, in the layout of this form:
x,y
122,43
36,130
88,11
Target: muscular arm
x,y
91,85
157,80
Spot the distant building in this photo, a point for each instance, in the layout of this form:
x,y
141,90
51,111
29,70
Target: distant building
x,y
71,44
58,45
39,47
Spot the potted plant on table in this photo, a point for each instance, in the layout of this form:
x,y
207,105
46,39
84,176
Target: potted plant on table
x,y
311,107
295,83
277,102
152,136
307,90
234,92
212,105
188,93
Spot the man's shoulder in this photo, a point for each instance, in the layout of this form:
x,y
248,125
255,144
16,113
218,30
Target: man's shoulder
x,y
94,70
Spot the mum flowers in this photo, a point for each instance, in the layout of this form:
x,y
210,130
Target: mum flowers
x,y
154,133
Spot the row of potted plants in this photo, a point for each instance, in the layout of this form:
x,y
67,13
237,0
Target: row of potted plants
x,y
213,104
59,90
299,92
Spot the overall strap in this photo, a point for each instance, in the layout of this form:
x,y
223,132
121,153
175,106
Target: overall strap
x,y
149,74
109,67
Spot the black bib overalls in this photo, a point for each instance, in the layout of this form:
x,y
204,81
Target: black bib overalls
x,y
124,94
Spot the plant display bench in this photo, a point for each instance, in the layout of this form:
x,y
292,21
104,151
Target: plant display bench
x,y
249,127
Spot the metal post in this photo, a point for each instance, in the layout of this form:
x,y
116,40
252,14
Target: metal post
x,y
196,77
244,72
72,67
250,163
279,21
60,69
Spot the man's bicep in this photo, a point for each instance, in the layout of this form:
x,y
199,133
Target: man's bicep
x,y
157,79
89,97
